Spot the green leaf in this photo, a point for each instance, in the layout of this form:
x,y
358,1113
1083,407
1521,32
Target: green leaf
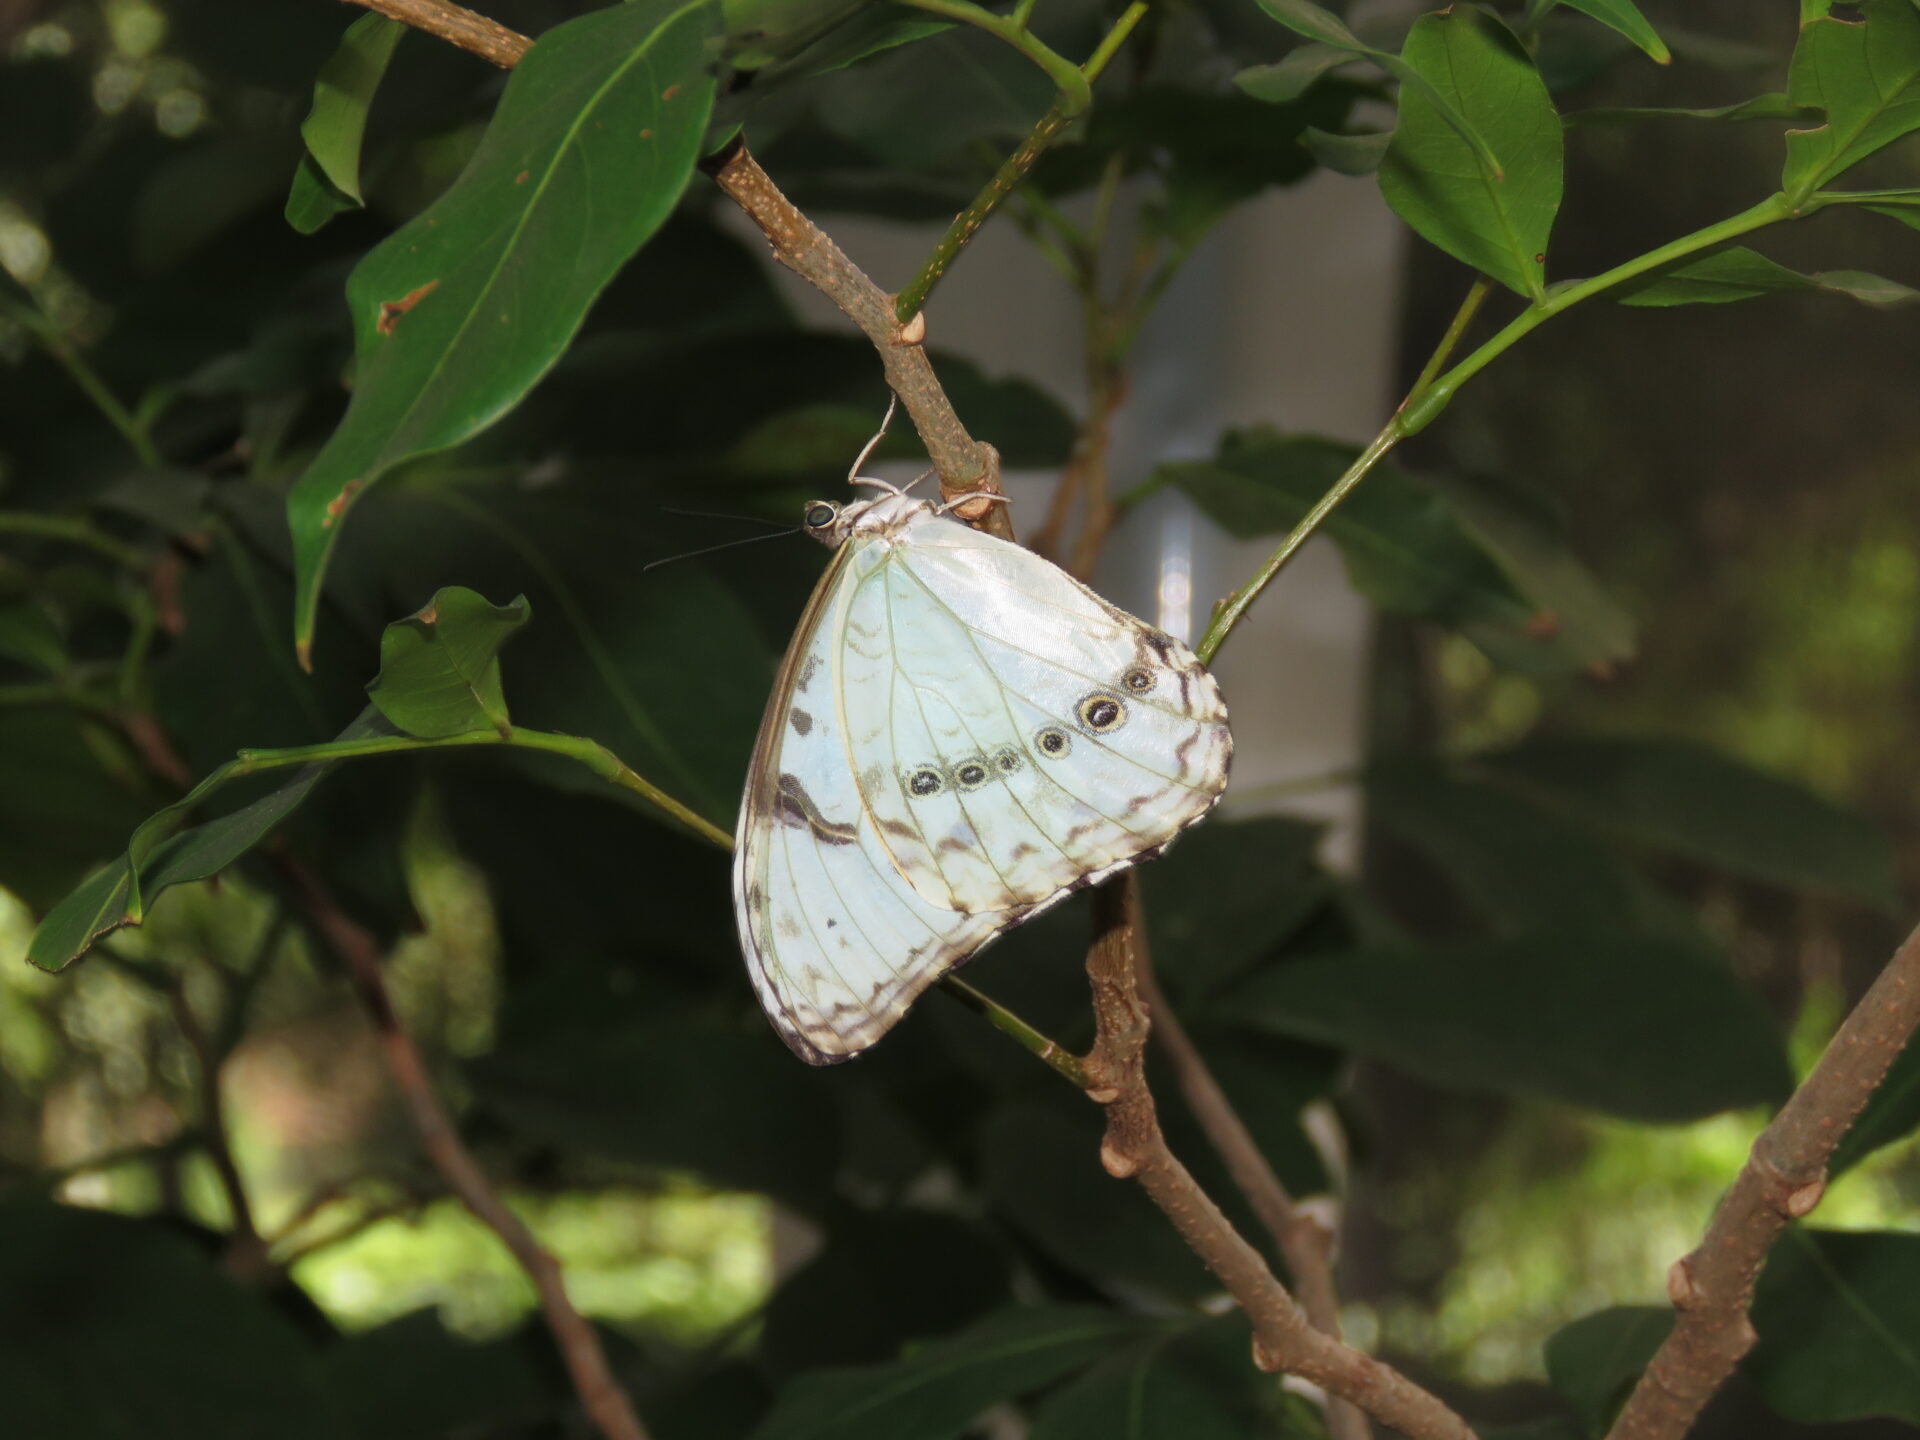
x,y
760,32
1595,1361
29,636
1773,106
1723,276
412,1380
1865,74
1838,1316
1347,154
1574,623
161,855
328,180
119,1327
1496,217
460,312
1521,867
1194,1384
1902,205
1625,17
1684,799
1643,1027
1316,23
1294,74
440,667
938,1391
1891,1115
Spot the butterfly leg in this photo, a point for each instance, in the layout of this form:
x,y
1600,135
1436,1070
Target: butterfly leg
x,y
988,495
854,477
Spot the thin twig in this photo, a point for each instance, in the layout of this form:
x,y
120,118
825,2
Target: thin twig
x,y
1303,1242
1783,1179
1283,1337
249,1250
605,1402
488,39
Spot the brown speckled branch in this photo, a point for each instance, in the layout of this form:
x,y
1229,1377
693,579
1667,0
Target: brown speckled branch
x,y
457,25
1783,1179
1283,1337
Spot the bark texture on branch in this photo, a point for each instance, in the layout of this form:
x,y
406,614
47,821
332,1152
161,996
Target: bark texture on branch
x,y
457,25
1135,1148
1783,1179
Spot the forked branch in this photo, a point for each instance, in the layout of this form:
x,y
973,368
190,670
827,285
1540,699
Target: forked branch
x,y
1783,1179
1134,1147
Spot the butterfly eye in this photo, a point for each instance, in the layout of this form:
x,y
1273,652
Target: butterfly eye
x,y
1053,742
1008,760
1139,680
971,774
1100,713
820,514
925,781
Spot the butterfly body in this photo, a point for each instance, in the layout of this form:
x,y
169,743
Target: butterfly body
x,y
961,734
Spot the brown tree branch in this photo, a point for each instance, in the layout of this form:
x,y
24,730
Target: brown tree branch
x,y
965,465
1134,1147
457,25
1303,1242
600,1394
1783,1179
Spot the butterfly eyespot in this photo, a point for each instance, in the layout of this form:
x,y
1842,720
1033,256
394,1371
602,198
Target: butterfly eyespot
x,y
1139,680
1053,741
820,514
1008,760
925,781
971,774
1100,712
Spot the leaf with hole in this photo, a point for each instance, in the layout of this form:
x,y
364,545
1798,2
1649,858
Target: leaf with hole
x,y
1864,75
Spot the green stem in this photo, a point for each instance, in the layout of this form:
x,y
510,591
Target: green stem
x,y
104,400
1237,604
1443,352
1076,94
590,753
74,531
1067,78
1063,1061
1420,411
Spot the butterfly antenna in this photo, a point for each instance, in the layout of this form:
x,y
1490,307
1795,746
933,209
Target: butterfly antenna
x,y
724,515
916,480
724,545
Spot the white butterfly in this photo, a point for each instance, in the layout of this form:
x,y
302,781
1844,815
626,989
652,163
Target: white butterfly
x,y
961,735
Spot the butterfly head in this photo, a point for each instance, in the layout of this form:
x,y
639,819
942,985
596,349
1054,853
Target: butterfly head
x,y
831,524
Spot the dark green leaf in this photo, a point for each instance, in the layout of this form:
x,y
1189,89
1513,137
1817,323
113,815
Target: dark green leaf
x,y
1742,274
1774,106
1574,623
1838,1314
1595,1361
1625,17
29,636
1303,17
756,1120
161,855
1901,205
1193,1385
1290,78
939,1390
1226,895
1494,218
1347,154
1865,74
877,28
761,32
1892,1113
459,313
440,667
885,1280
1685,799
412,1380
1647,1028
328,180
67,803
1523,868
921,104
124,1329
